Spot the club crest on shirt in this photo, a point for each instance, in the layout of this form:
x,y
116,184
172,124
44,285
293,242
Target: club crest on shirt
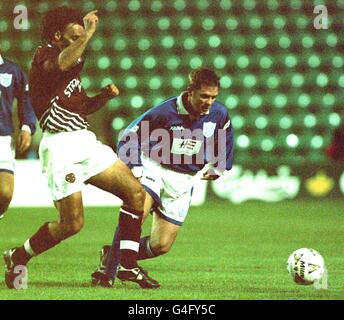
x,y
5,79
208,129
70,177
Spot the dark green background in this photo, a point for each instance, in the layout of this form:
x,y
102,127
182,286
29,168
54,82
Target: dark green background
x,y
281,78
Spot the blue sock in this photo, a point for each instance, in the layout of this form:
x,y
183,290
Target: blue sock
x,y
145,251
114,255
125,243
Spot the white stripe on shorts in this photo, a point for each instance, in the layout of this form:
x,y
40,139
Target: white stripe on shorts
x,y
129,245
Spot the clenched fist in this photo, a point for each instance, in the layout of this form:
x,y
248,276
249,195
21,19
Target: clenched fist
x,y
23,142
90,22
110,91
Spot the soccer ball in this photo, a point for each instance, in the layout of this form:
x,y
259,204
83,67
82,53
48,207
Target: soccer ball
x,y
306,266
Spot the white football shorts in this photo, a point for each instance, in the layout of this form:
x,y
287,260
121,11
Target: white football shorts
x,y
171,190
7,154
68,159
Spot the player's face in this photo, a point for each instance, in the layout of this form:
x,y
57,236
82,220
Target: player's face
x,y
70,35
202,99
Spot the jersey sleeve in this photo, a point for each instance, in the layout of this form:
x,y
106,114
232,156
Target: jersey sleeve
x,y
26,113
46,58
46,54
224,146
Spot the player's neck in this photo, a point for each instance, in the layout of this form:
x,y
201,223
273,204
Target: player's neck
x,y
186,102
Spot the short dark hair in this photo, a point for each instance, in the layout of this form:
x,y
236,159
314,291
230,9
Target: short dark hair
x,y
57,20
203,77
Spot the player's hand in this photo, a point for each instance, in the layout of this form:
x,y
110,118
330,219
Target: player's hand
x,y
23,141
210,175
110,91
90,22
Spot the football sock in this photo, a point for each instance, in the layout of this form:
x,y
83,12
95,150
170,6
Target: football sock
x,y
145,250
130,231
114,256
40,242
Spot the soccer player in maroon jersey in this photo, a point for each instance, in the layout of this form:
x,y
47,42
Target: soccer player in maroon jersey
x,y
71,155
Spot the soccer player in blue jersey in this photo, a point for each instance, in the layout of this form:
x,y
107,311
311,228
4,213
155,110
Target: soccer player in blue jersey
x,y
13,84
166,147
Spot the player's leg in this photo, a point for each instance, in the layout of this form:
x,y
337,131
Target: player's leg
x,y
158,242
7,166
105,251
174,202
48,235
6,190
168,217
110,254
119,180
162,236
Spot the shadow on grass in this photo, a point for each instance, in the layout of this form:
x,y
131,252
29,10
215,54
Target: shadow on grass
x,y
59,284
80,285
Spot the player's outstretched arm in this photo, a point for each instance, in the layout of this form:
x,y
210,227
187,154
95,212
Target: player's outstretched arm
x,y
95,103
68,57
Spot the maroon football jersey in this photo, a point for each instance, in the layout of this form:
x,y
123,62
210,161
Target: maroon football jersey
x,y
57,96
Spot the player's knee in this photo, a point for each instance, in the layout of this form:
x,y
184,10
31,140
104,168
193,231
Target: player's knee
x,y
136,198
72,227
162,247
76,225
5,199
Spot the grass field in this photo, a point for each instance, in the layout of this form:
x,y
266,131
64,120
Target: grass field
x,y
223,251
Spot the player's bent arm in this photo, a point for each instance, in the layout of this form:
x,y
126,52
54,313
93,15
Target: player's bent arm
x,y
95,103
67,57
70,55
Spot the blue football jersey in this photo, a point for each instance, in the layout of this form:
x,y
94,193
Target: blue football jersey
x,y
14,84
168,135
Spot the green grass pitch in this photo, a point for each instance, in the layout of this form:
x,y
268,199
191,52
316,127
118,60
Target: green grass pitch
x,y
223,251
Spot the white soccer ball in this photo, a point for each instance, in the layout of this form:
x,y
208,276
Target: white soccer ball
x,y
306,266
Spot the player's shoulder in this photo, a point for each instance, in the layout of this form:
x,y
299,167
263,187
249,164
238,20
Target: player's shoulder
x,y
13,68
219,108
165,106
171,101
44,51
45,48
11,64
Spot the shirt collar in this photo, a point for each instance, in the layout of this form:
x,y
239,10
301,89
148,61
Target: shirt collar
x,y
1,60
181,108
180,105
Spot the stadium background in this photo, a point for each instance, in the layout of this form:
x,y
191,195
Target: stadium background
x,y
281,77
282,81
